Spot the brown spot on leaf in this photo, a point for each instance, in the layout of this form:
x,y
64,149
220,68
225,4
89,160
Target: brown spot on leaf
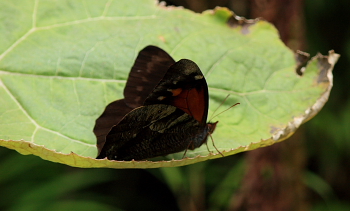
x,y
302,58
236,21
274,129
162,38
323,65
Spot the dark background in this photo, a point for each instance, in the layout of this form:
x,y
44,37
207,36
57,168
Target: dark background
x,y
309,171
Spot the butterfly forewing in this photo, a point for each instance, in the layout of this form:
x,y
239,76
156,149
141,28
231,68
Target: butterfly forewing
x,y
184,87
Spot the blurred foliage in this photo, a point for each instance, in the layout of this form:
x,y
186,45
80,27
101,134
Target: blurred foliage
x,y
29,183
328,134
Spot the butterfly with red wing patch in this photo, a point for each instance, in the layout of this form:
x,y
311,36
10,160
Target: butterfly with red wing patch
x,y
160,114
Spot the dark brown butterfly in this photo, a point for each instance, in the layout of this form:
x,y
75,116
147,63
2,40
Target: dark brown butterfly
x,y
149,68
164,110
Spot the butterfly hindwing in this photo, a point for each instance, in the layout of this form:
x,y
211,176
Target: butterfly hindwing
x,y
149,68
151,131
111,116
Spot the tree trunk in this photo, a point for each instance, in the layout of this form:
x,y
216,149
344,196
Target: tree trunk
x,y
274,174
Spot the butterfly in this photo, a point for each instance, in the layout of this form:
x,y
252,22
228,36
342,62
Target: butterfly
x,y
164,110
148,69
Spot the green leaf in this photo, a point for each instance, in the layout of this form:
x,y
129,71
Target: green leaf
x,y
62,62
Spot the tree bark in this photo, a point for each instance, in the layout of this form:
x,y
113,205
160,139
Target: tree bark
x,y
274,174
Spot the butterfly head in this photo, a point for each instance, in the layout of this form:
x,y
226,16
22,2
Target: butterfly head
x,y
211,127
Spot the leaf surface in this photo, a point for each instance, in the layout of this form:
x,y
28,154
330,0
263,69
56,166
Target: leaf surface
x,y
62,62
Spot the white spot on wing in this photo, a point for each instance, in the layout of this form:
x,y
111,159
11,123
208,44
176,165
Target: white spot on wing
x,y
161,98
198,77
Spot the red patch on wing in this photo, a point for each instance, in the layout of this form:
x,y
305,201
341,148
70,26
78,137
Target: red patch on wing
x,y
192,102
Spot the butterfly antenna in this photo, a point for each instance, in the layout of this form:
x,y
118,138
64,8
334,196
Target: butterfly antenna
x,y
226,110
212,141
219,106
